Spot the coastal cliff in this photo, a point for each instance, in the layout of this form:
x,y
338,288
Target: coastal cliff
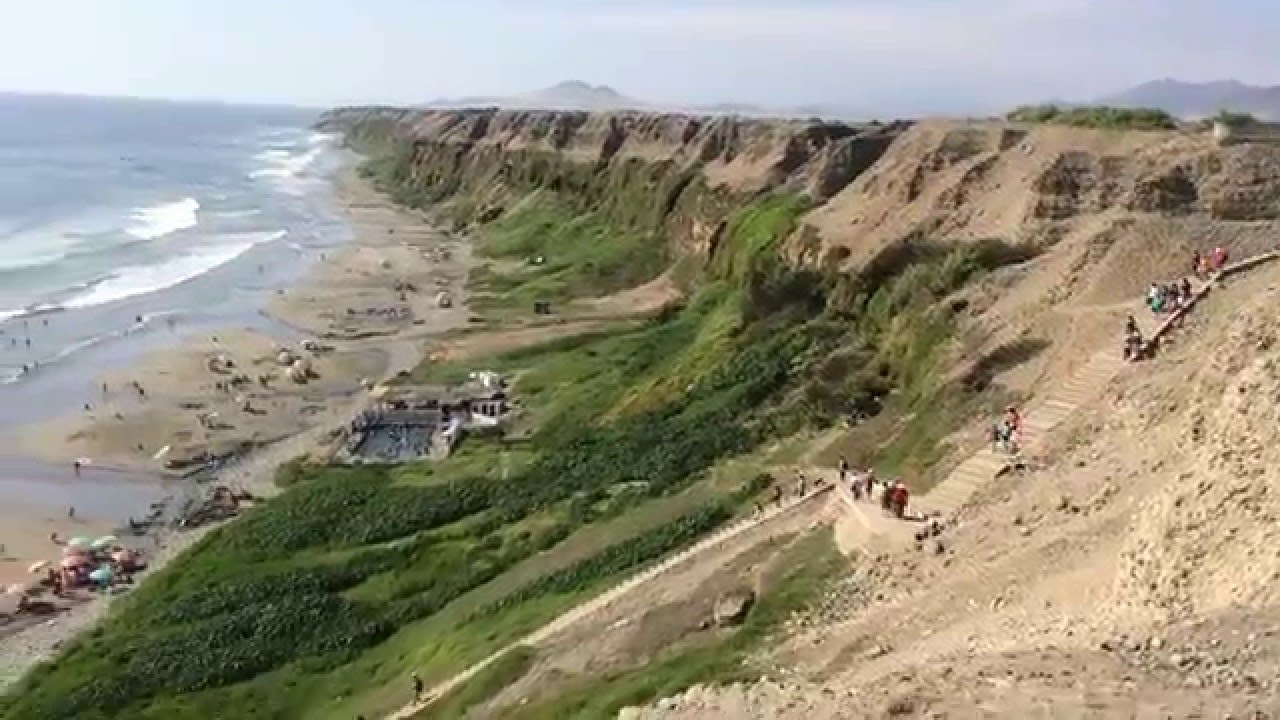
x,y
681,175
868,187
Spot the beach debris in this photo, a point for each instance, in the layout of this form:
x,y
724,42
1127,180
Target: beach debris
x,y
38,567
165,450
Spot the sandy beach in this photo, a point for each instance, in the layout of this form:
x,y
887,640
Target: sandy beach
x,y
363,313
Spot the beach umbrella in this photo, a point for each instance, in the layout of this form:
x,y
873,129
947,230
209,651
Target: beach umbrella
x,y
38,566
79,542
104,542
101,575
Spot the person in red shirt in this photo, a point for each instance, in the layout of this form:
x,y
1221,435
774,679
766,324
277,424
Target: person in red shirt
x,y
900,495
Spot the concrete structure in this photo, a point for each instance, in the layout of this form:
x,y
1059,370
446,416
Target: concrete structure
x,y
412,423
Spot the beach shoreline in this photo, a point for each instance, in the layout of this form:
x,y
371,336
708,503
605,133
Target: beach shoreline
x,y
226,408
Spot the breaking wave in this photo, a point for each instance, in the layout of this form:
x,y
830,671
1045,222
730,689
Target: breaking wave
x,y
143,279
158,221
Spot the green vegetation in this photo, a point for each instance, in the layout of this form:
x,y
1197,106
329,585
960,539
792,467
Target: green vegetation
x,y
1234,120
255,616
1104,117
548,251
799,577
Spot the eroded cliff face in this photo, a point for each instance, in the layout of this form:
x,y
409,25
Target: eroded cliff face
x,y
1117,197
1110,211
681,175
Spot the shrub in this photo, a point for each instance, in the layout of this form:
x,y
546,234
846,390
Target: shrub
x,y
1112,118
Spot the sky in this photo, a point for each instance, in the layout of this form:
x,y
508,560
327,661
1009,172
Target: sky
x,y
882,56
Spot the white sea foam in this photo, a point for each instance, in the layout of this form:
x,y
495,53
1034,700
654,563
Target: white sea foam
x,y
159,220
287,166
143,279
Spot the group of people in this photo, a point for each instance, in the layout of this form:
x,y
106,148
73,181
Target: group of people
x,y
1202,266
1006,434
1170,297
894,495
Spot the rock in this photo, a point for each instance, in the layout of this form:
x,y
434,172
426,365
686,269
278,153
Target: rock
x,y
732,608
876,651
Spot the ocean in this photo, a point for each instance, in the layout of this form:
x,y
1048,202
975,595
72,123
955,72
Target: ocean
x,y
125,224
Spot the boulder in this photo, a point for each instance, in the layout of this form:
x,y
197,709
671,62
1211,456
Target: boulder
x,y
732,608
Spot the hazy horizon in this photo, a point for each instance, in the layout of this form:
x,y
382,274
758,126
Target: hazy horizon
x,y
905,57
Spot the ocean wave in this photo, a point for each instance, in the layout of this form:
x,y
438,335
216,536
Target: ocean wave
x,y
159,220
286,164
145,279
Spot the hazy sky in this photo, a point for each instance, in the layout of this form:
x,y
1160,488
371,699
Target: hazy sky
x,y
886,55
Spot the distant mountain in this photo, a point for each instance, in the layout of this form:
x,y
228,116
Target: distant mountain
x,y
569,95
1195,100
578,95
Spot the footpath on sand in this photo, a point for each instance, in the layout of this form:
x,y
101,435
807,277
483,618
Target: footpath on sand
x,y
945,498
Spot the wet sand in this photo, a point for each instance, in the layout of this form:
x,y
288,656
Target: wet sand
x,y
373,306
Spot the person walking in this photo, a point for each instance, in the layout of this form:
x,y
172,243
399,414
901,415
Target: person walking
x,y
417,687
